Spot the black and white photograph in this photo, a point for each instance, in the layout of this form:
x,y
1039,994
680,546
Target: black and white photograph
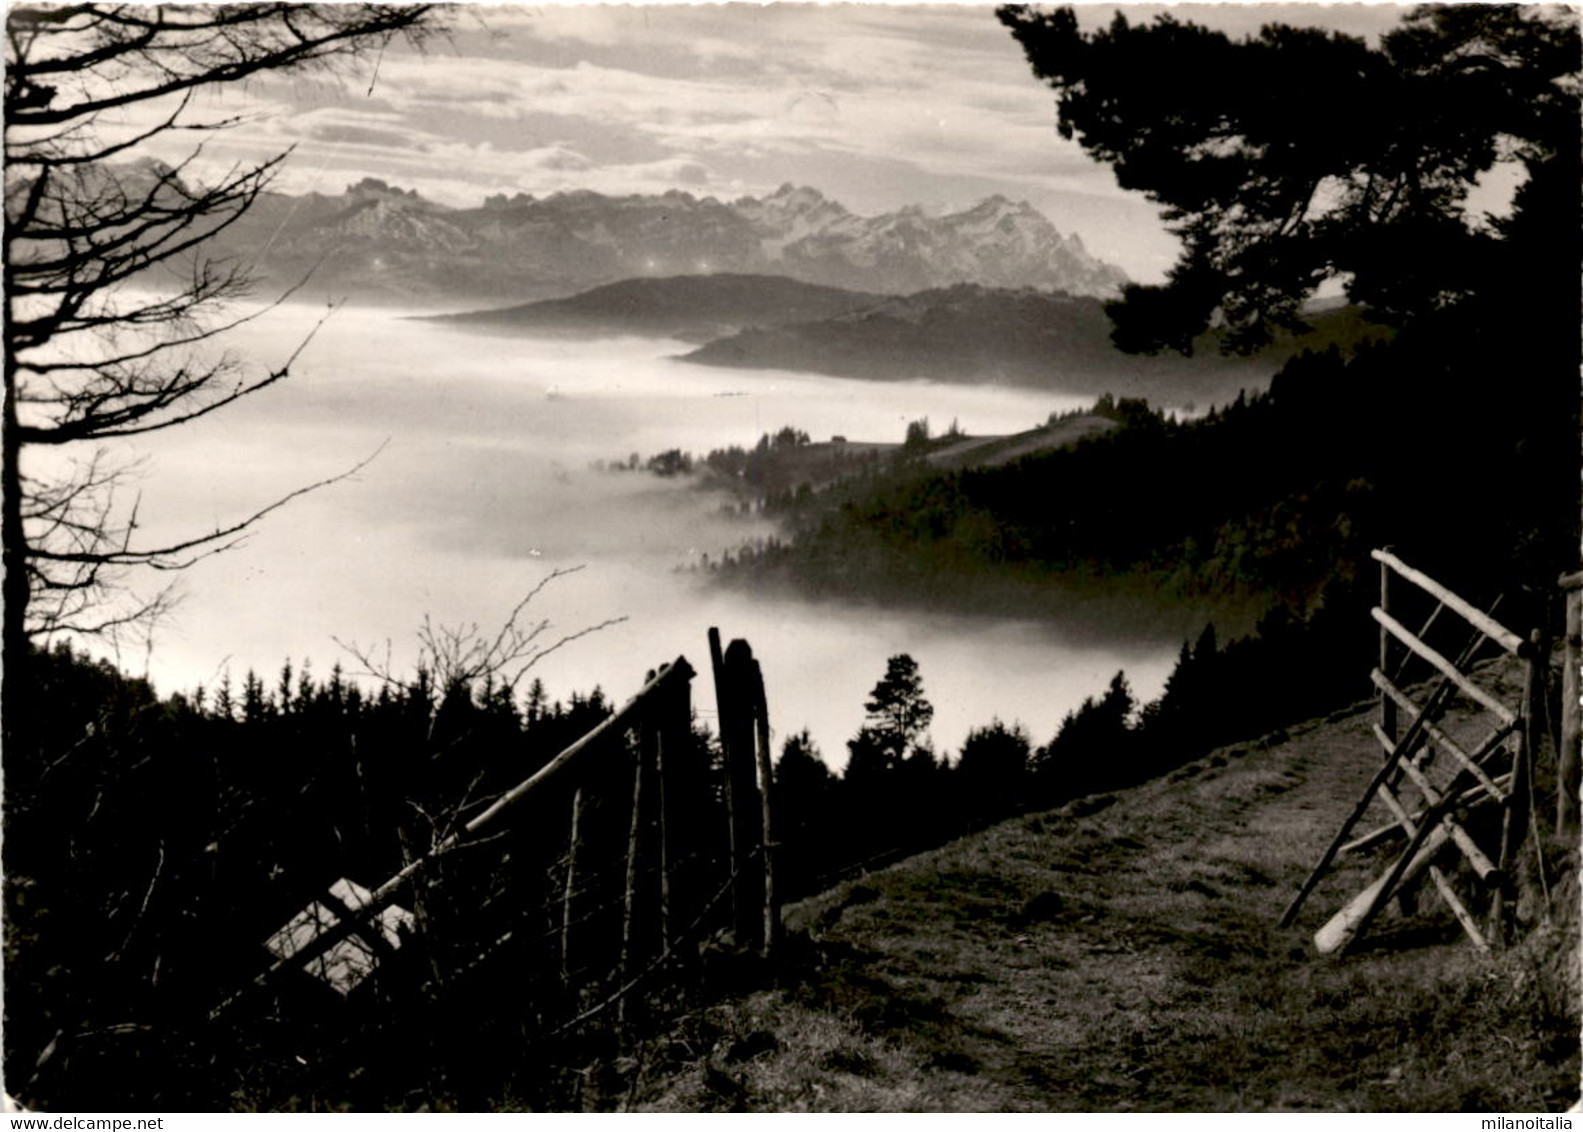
x,y
781,558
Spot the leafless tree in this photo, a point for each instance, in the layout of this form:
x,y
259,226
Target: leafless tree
x,y
90,361
469,659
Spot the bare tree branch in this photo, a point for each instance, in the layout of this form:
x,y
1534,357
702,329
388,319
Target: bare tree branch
x,y
220,539
338,29
461,657
86,361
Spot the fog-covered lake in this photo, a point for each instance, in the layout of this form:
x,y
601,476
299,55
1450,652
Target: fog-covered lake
x,y
484,485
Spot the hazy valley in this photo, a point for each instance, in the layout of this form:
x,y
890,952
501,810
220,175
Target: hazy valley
x,y
505,409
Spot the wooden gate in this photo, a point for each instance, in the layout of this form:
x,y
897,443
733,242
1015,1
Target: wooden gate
x,y
1429,782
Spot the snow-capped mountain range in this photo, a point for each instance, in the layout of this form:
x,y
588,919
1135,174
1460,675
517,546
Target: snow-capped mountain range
x,y
375,241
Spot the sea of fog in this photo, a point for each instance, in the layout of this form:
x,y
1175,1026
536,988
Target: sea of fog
x,y
484,484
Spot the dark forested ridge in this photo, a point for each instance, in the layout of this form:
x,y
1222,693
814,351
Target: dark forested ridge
x,y
967,333
1038,339
1281,494
689,307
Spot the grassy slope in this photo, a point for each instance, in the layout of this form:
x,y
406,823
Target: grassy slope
x,y
1126,957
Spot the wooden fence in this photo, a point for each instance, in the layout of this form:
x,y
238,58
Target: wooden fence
x,y
593,880
1436,803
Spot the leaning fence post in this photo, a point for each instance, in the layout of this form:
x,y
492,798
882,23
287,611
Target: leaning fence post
x,y
672,735
629,898
573,848
660,733
1567,757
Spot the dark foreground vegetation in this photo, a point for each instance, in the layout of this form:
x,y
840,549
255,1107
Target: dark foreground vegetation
x,y
1122,953
153,845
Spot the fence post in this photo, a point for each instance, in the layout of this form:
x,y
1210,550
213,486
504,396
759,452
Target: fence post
x,y
1387,705
1514,827
725,724
574,847
772,916
629,896
734,694
1567,757
660,734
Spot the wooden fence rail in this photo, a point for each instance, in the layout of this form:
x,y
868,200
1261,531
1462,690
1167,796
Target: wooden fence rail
x,y
300,949
1496,772
1481,621
642,866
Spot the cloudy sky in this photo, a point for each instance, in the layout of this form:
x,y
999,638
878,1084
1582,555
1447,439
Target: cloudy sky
x,y
876,105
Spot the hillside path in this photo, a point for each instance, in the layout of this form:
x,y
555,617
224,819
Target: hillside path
x,y
1123,953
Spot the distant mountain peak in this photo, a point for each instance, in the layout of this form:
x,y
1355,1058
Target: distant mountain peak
x,y
384,241
374,186
791,192
796,200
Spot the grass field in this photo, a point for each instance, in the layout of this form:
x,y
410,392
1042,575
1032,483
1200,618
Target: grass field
x,y
1122,953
